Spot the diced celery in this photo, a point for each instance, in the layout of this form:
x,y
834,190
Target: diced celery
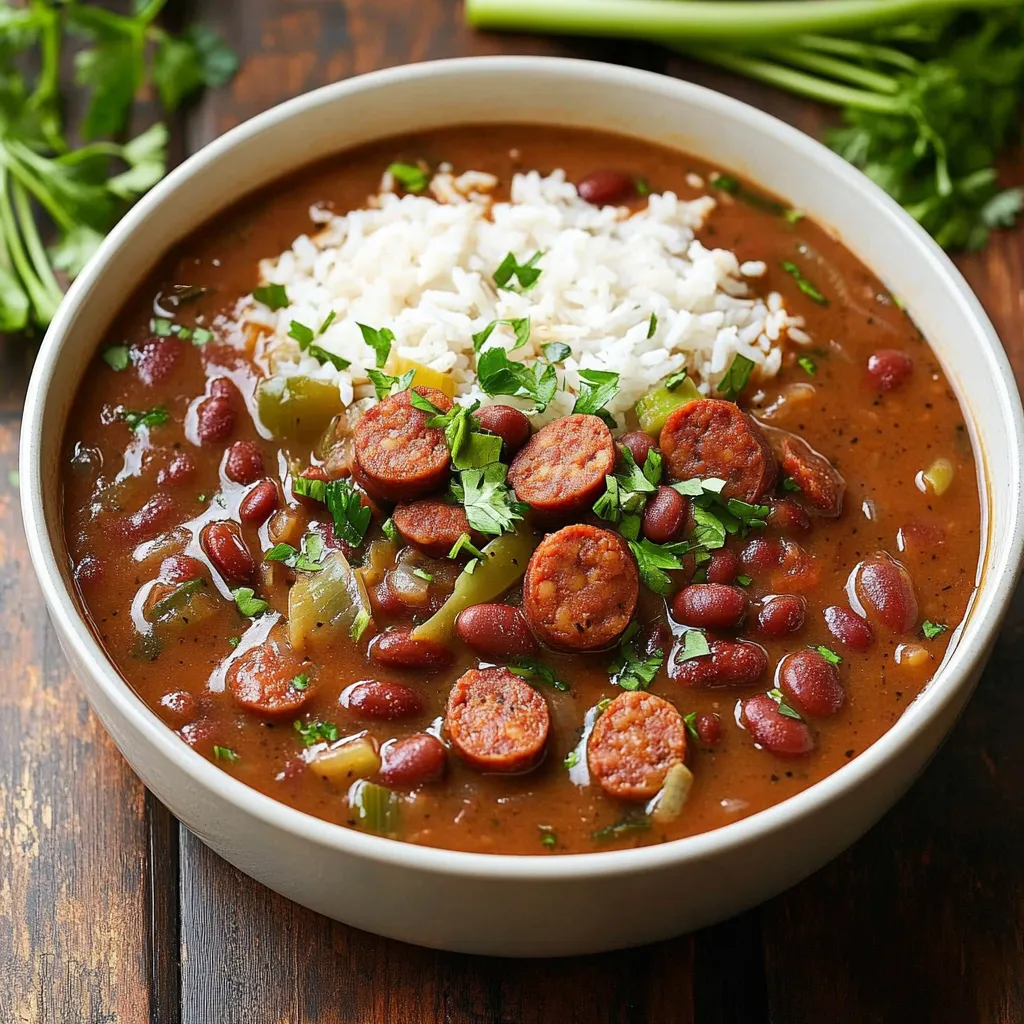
x,y
502,567
326,606
350,759
297,408
654,408
377,808
429,378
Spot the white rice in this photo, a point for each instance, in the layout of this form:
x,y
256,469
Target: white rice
x,y
422,266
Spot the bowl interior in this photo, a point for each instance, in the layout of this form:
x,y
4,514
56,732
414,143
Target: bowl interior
x,y
538,90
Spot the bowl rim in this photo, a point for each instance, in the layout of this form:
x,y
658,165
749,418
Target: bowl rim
x,y
952,678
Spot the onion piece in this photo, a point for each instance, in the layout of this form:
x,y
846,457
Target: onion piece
x,y
670,800
938,477
327,606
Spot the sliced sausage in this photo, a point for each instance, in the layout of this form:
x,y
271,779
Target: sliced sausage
x,y
563,466
495,631
432,526
496,721
262,680
397,456
712,438
581,588
821,485
729,663
633,745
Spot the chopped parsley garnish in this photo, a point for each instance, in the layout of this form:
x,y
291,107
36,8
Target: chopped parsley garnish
x,y
411,177
829,655
547,835
520,327
328,320
933,629
301,333
309,487
653,559
803,284
628,670
379,339
470,447
808,365
572,758
136,419
359,625
465,544
308,559
316,732
789,484
744,580
673,380
525,273
736,378
116,357
695,645
234,641
598,388
490,504
556,351
531,668
423,574
300,682
248,603
734,187
625,827
626,492
642,186
350,516
690,721
304,336
161,327
602,705
389,529
748,515
652,325
384,384
418,401
273,296
784,708
224,754
498,375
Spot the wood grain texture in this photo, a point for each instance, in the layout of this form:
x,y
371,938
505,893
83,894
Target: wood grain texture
x,y
111,912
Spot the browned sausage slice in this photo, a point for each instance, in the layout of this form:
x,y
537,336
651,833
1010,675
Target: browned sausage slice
x,y
397,456
712,438
433,526
821,486
563,466
633,745
263,679
496,721
581,588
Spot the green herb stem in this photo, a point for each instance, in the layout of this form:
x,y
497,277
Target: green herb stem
x,y
832,67
856,49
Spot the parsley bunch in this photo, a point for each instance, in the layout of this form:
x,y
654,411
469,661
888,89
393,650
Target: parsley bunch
x,y
78,194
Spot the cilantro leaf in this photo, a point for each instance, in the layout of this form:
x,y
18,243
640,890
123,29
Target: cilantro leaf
x,y
273,296
490,504
384,384
695,645
350,516
498,375
531,668
556,351
803,284
829,655
784,709
248,603
933,629
628,669
808,365
379,339
520,327
736,378
598,388
525,273
411,177
652,560
313,733
136,420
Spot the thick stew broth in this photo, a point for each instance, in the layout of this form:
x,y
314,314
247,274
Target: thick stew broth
x,y
135,498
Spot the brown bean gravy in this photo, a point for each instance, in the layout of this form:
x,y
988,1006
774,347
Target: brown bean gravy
x,y
166,520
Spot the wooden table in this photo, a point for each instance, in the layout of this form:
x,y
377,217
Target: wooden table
x,y
111,912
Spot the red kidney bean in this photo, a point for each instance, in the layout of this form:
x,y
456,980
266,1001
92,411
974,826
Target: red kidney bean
x,y
849,629
709,728
786,516
89,572
776,732
606,187
495,631
376,698
709,606
811,684
798,570
178,471
215,420
761,554
224,547
244,462
385,601
412,760
665,515
223,387
310,473
511,425
259,503
177,708
656,637
886,591
156,359
921,538
200,733
782,614
640,445
397,649
889,368
181,569
730,663
147,522
723,566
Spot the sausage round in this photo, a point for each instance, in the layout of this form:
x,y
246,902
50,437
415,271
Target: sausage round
x,y
261,679
562,468
633,745
431,525
820,483
496,721
712,438
581,588
397,456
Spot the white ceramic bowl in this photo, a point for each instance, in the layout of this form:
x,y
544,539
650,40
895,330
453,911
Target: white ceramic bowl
x,y
530,906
